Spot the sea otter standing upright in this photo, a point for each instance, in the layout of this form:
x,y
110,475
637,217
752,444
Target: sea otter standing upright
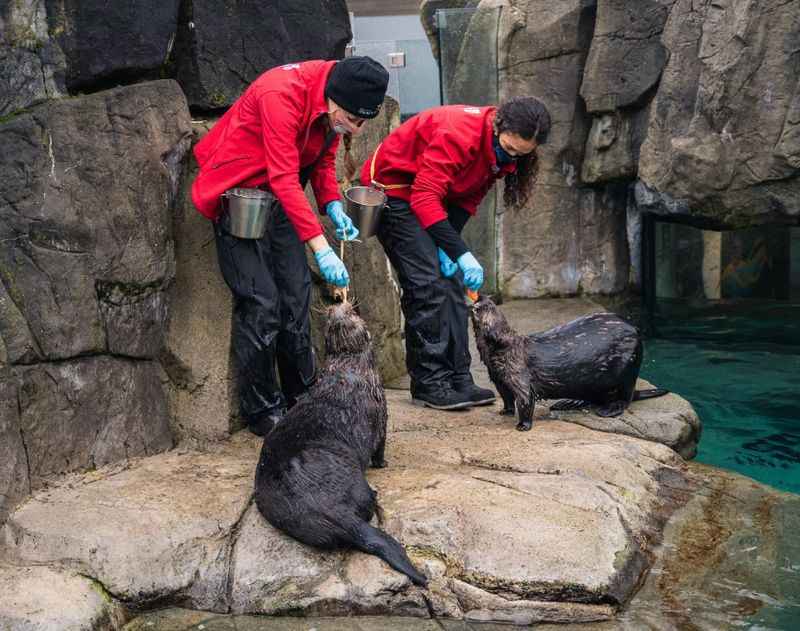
x,y
593,360
310,479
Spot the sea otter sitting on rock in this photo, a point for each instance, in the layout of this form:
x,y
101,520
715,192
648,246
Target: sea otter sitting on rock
x,y
310,479
591,361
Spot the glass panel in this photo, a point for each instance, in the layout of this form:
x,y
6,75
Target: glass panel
x,y
468,55
468,64
419,80
702,277
760,263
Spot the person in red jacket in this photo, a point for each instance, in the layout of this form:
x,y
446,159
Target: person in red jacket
x,y
282,132
435,169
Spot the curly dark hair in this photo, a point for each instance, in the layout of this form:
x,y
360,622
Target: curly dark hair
x,y
527,117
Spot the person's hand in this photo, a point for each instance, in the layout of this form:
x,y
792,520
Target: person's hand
x,y
332,268
446,265
473,272
345,230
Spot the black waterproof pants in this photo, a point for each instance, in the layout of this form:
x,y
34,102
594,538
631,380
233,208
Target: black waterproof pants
x,y
271,286
436,314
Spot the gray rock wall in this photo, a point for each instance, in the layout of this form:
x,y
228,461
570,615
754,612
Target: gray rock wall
x,y
570,238
664,106
221,47
51,48
724,130
86,198
96,329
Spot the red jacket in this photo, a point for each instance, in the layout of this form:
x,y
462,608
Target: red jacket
x,y
275,128
445,154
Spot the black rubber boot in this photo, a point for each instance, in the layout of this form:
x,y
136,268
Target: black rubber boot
x,y
475,394
442,397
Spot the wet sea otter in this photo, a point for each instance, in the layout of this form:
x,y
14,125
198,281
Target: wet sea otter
x,y
591,361
310,479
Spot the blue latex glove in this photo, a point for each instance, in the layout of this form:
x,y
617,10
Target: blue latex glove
x,y
345,230
446,265
332,268
473,272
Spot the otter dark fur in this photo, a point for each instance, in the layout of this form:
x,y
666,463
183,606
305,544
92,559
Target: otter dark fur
x,y
593,360
310,479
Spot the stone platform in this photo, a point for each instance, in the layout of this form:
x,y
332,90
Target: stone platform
x,y
552,525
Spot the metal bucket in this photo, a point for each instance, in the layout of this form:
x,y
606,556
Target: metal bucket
x,y
364,205
248,211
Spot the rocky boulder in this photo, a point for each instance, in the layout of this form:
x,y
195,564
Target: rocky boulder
x,y
49,49
724,132
46,599
568,238
106,44
86,221
79,414
555,524
32,66
626,59
87,189
220,51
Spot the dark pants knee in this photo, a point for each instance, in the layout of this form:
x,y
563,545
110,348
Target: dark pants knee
x,y
271,287
433,306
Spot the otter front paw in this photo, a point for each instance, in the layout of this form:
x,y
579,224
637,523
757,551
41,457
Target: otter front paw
x,y
524,426
507,412
379,464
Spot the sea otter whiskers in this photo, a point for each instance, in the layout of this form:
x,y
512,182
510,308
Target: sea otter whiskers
x,y
310,479
593,360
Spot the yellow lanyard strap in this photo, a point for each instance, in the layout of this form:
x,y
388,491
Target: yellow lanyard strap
x,y
383,187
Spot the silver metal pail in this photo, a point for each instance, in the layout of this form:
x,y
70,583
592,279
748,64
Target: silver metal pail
x,y
364,205
248,211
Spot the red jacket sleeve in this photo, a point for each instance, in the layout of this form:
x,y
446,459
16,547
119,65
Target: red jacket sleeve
x,y
439,165
280,124
323,178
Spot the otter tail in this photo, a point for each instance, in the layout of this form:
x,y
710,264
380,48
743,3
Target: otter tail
x,y
374,541
650,393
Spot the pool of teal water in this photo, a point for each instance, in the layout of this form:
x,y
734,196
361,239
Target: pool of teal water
x,y
739,366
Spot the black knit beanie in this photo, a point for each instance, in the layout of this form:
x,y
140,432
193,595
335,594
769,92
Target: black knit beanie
x,y
358,85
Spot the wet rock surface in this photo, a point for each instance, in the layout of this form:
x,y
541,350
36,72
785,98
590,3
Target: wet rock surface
x,y
556,524
44,599
728,560
552,525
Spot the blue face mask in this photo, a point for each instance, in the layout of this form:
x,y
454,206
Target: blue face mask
x,y
503,157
